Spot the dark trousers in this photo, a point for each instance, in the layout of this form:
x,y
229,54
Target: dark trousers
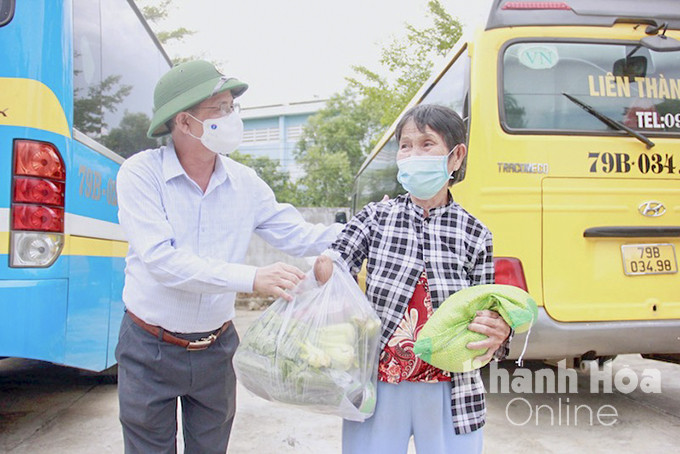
x,y
152,374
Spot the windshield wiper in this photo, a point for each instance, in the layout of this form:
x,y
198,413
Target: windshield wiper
x,y
610,121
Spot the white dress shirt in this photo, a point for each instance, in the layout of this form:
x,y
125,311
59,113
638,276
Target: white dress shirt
x,y
186,248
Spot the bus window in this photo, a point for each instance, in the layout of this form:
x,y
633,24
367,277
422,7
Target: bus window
x,y
453,90
87,76
379,178
112,89
626,82
6,11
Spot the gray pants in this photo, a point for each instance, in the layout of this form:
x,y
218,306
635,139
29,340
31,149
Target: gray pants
x,y
152,374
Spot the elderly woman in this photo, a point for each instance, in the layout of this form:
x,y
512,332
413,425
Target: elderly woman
x,y
420,248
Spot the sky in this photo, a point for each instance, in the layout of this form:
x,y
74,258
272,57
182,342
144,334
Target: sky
x,y
299,50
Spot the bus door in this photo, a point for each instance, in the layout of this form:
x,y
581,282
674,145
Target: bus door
x,y
604,114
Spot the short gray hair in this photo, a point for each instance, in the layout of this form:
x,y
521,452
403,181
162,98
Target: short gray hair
x,y
444,121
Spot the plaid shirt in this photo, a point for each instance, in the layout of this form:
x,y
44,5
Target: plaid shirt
x,y
398,243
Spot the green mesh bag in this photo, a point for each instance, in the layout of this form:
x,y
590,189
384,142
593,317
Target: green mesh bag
x,y
443,340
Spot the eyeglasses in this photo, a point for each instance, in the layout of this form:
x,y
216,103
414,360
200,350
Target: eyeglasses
x,y
225,108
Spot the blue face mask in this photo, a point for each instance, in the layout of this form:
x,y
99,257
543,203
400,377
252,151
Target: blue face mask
x,y
424,176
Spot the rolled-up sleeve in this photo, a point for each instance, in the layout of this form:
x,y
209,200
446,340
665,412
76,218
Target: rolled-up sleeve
x,y
282,226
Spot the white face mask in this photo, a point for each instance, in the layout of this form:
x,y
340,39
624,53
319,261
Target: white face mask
x,y
221,135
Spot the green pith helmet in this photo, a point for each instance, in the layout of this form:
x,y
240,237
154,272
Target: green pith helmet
x,y
184,86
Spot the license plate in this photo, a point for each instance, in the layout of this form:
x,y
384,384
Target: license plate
x,y
640,259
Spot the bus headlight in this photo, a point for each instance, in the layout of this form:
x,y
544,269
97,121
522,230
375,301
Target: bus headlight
x,y
31,249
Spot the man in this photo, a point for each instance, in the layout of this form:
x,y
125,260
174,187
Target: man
x,y
188,212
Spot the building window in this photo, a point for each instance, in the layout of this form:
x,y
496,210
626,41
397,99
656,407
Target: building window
x,y
294,133
261,135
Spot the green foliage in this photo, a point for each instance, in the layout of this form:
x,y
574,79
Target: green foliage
x,y
156,12
130,137
328,175
341,126
89,108
341,135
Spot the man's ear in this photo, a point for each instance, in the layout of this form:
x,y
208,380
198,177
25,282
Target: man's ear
x,y
181,122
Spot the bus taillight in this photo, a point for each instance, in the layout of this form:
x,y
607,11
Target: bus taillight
x,y
38,189
509,271
39,159
37,217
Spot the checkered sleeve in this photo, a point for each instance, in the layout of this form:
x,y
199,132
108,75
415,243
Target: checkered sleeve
x,y
352,243
483,269
484,273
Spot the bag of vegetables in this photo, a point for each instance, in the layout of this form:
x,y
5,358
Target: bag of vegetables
x,y
318,352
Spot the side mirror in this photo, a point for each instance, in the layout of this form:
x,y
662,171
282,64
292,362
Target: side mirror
x,y
631,67
661,43
341,217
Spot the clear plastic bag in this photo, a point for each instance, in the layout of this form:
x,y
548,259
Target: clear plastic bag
x,y
319,351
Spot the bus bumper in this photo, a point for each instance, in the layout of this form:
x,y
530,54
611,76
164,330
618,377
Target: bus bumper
x,y
558,340
33,318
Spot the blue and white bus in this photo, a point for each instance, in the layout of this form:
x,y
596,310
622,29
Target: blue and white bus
x,y
76,82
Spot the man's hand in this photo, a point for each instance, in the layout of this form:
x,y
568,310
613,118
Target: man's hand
x,y
492,325
275,279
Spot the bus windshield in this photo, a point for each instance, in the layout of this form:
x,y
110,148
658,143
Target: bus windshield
x,y
631,84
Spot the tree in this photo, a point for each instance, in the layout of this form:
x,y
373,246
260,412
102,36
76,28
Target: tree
x,y
352,121
130,136
89,109
326,180
155,12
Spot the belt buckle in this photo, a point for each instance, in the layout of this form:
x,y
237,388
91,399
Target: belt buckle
x,y
202,344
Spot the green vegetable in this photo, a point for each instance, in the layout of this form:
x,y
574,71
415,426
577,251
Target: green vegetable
x,y
319,351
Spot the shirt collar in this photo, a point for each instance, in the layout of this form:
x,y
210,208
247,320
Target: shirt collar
x,y
172,167
437,211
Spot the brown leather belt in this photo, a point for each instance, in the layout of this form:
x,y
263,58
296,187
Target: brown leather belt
x,y
163,335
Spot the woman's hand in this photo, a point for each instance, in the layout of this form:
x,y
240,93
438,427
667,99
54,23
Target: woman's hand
x,y
491,324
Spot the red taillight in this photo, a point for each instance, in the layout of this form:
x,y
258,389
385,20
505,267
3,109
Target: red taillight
x,y
536,5
39,159
38,190
509,271
38,187
38,218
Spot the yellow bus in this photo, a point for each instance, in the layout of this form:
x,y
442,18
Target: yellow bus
x,y
573,116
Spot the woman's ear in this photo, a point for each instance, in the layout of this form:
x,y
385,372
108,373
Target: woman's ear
x,y
457,156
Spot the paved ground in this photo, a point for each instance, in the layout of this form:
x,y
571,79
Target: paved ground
x,y
45,408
